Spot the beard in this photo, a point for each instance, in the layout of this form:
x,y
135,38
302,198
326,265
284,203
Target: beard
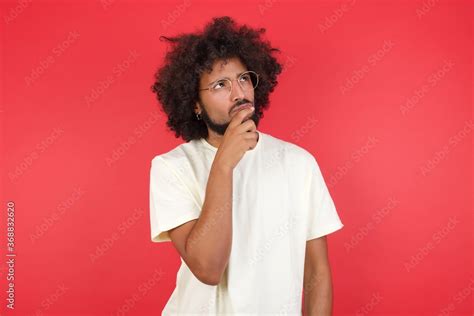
x,y
218,127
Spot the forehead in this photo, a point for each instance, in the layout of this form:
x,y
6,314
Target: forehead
x,y
229,68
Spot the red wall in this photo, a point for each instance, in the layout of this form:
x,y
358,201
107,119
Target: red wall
x,y
379,91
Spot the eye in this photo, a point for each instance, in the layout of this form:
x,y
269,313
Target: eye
x,y
219,85
245,77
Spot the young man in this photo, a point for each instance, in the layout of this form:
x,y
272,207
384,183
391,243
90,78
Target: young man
x,y
247,212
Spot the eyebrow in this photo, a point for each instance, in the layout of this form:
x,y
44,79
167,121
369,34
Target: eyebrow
x,y
237,76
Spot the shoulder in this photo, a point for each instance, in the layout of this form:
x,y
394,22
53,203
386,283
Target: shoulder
x,y
293,153
177,158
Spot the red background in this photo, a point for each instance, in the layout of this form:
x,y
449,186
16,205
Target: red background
x,y
399,167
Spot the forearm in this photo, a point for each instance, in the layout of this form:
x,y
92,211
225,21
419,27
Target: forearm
x,y
318,294
210,239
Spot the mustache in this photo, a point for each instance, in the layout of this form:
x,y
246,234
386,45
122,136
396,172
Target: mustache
x,y
239,103
242,102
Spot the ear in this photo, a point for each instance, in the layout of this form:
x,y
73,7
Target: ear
x,y
197,107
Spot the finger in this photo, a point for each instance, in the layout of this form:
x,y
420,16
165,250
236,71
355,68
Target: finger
x,y
240,116
252,136
243,113
252,139
247,126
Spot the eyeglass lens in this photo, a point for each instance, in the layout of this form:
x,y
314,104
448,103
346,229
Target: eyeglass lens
x,y
247,81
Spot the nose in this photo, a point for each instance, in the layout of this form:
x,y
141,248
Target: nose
x,y
237,92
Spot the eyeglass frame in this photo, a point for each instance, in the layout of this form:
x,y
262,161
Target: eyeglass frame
x,y
231,83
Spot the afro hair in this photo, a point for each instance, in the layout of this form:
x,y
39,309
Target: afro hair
x,y
177,81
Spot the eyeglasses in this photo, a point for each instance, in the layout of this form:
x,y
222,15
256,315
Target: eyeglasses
x,y
223,87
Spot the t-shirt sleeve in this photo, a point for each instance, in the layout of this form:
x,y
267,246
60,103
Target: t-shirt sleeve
x,y
171,202
323,218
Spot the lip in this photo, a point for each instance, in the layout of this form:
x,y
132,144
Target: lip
x,y
241,107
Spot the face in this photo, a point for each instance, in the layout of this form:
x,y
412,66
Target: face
x,y
216,109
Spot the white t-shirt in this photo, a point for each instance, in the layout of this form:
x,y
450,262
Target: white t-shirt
x,y
280,201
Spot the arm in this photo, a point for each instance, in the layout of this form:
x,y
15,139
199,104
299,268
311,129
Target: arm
x,y
317,284
205,243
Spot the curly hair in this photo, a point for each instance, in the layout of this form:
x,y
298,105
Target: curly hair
x,y
177,81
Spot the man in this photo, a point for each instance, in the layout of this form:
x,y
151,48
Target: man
x,y
247,212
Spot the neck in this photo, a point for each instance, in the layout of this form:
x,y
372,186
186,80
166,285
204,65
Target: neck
x,y
214,139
